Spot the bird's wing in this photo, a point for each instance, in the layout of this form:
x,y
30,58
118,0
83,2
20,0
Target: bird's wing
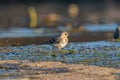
x,y
116,33
54,40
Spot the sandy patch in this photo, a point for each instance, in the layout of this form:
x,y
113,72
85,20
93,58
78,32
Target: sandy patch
x,y
24,70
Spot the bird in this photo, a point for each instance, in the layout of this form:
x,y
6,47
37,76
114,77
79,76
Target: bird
x,y
59,41
117,33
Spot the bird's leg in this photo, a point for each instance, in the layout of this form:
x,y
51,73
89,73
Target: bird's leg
x,y
59,49
53,51
61,54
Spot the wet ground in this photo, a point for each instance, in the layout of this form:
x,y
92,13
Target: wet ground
x,y
91,52
97,53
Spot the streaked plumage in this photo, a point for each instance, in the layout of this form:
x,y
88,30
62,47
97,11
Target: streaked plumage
x,y
59,41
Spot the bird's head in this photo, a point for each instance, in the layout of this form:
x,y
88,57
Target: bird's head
x,y
64,33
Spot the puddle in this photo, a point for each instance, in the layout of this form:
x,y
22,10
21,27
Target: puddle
x,y
101,27
28,32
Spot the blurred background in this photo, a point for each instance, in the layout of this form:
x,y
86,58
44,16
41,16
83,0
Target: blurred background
x,y
35,21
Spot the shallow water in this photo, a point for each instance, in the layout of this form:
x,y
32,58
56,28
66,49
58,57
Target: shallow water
x,y
101,27
29,32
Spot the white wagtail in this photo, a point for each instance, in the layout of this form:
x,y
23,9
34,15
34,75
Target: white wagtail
x,y
59,41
